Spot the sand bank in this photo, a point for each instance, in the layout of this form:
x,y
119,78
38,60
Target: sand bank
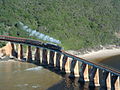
x,y
108,57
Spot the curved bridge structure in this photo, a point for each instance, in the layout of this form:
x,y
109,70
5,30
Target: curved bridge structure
x,y
53,56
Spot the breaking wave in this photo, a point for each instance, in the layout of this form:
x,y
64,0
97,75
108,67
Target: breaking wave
x,y
34,69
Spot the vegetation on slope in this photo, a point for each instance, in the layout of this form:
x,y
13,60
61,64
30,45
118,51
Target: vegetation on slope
x,y
77,23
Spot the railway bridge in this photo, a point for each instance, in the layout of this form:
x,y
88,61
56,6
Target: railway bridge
x,y
54,56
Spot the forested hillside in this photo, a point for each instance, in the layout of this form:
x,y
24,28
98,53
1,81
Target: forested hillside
x,y
76,23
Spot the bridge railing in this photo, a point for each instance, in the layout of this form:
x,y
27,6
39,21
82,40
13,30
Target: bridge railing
x,y
53,56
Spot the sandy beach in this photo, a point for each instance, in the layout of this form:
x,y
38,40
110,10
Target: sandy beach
x,y
108,57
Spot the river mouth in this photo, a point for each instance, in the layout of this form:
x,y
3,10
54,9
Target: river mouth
x,y
16,75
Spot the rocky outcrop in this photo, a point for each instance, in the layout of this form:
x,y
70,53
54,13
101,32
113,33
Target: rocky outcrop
x,y
8,50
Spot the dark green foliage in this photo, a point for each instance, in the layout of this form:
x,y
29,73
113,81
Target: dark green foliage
x,y
2,44
77,23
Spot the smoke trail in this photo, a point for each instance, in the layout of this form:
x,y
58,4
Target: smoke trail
x,y
37,34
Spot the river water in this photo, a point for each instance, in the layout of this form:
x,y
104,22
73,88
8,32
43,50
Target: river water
x,y
15,75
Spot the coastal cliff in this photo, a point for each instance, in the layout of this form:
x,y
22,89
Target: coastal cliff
x,y
8,50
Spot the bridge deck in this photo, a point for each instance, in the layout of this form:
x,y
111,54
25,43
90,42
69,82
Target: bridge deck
x,y
40,44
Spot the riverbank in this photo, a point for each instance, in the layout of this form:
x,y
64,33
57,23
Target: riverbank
x,y
109,56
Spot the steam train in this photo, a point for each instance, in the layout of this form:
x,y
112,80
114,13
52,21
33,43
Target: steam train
x,y
31,42
52,46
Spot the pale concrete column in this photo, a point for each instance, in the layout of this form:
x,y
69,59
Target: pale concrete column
x,y
117,83
41,57
86,73
103,78
97,78
10,49
72,66
82,69
55,59
64,60
51,59
61,62
44,57
74,69
108,81
94,77
20,51
58,56
13,52
29,54
37,56
67,64
48,56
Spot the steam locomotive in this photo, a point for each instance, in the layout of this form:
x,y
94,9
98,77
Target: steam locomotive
x,y
31,42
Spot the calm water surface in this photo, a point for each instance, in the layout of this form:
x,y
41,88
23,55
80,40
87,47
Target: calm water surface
x,y
16,75
24,76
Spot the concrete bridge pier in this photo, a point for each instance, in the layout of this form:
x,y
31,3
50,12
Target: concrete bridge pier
x,y
29,54
103,78
20,52
58,57
51,59
74,69
10,49
37,56
108,81
94,77
61,62
84,73
112,82
81,73
64,60
116,82
13,52
44,57
66,64
97,78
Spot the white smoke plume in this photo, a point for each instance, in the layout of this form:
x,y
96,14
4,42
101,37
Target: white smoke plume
x,y
38,35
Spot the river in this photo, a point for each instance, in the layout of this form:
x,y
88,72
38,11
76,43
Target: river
x,y
15,75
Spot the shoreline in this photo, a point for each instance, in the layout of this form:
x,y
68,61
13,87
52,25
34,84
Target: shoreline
x,y
97,52
106,56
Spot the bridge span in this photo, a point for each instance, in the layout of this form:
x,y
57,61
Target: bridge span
x,y
54,56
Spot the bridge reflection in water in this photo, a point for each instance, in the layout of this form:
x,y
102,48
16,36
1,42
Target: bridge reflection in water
x,y
16,75
77,68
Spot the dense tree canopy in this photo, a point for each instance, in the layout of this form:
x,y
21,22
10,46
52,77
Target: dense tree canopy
x,y
76,23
